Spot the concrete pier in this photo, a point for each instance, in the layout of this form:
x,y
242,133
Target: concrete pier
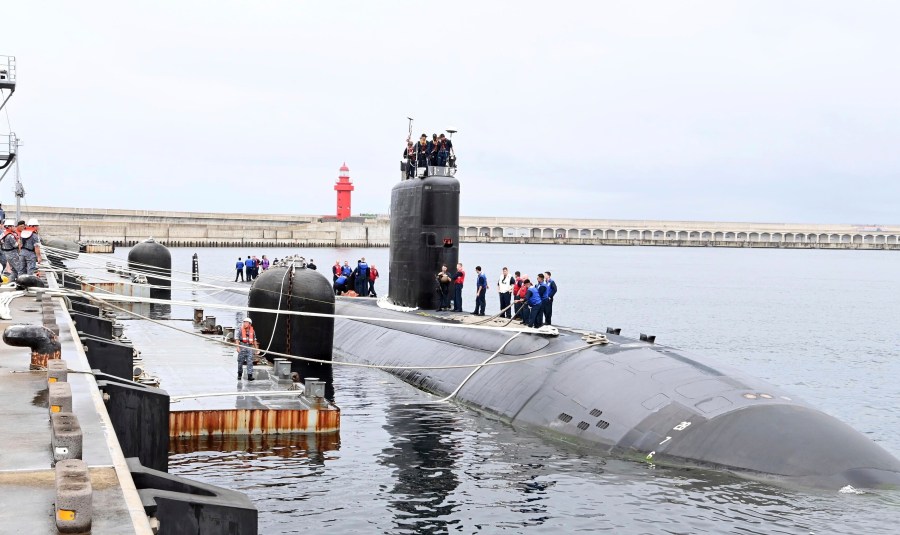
x,y
28,485
196,229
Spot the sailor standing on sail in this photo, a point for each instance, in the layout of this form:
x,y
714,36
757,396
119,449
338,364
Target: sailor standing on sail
x,y
9,250
245,342
31,247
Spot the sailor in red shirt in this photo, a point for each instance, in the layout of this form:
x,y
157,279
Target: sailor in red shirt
x,y
458,279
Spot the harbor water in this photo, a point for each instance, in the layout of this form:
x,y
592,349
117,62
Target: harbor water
x,y
821,324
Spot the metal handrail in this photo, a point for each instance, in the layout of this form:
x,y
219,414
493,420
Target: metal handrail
x,y
10,62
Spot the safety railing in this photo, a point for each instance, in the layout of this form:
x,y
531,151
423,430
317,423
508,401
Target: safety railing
x,y
7,72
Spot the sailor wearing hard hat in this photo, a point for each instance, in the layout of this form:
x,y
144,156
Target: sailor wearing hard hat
x,y
31,246
245,341
9,250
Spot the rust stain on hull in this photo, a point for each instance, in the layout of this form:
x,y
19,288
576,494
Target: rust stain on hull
x,y
185,424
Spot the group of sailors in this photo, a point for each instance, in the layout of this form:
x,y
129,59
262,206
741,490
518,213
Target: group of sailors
x,y
250,267
436,152
20,248
521,299
360,279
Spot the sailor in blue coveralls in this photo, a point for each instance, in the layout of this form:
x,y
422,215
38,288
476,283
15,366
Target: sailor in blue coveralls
x,y
548,304
480,292
245,340
533,298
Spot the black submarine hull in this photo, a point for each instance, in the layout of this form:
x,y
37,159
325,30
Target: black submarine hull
x,y
627,397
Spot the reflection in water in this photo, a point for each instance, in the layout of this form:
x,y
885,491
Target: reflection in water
x,y
424,452
314,447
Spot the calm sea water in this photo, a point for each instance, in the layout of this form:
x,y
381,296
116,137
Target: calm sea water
x,y
823,324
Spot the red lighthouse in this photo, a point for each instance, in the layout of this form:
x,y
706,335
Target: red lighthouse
x,y
343,187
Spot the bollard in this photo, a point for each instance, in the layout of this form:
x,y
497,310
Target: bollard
x,y
282,369
313,388
66,436
57,371
74,497
198,315
60,397
23,282
43,343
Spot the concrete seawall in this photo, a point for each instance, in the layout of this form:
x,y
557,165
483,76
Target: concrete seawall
x,y
197,229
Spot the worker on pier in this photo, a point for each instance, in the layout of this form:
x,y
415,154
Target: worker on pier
x,y
239,267
9,249
31,247
245,342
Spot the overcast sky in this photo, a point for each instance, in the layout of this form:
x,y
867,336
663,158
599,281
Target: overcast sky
x,y
708,110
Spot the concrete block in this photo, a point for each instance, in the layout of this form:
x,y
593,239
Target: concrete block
x,y
74,497
57,371
60,397
66,437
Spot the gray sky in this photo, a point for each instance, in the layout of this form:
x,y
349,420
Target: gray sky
x,y
707,110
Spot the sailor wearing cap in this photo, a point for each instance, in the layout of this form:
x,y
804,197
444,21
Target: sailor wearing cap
x,y
244,342
9,250
30,246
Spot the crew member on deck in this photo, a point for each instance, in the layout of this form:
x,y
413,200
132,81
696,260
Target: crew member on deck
x,y
444,279
445,146
423,153
481,286
239,270
245,342
311,265
548,304
409,154
340,285
458,279
504,287
362,277
373,274
533,298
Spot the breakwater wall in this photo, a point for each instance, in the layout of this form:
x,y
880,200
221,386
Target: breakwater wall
x,y
199,229
194,229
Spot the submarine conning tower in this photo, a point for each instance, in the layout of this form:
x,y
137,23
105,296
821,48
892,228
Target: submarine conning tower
x,y
424,236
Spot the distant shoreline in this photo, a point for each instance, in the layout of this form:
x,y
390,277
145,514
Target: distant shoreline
x,y
199,229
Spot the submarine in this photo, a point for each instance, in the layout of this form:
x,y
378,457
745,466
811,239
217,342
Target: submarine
x,y
608,393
